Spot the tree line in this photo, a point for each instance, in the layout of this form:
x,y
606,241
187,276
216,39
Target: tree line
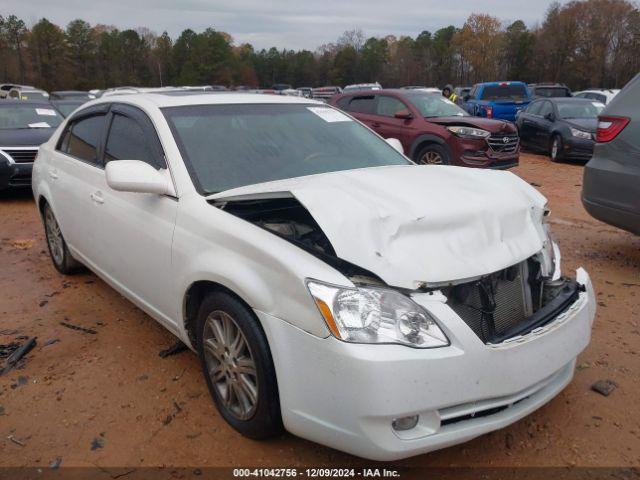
x,y
583,43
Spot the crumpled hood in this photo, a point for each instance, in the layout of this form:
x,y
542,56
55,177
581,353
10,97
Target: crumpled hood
x,y
419,224
489,124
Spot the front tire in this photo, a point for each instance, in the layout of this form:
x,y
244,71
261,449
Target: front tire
x,y
237,366
432,154
556,149
58,249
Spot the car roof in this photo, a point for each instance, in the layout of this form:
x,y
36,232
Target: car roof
x,y
566,99
161,100
33,103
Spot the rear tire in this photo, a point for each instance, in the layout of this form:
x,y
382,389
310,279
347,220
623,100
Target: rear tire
x,y
237,366
432,154
58,249
556,148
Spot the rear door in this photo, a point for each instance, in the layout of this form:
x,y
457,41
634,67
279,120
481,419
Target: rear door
x,y
361,107
74,171
527,123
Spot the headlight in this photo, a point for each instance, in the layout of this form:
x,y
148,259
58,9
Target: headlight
x,y
375,315
469,132
580,134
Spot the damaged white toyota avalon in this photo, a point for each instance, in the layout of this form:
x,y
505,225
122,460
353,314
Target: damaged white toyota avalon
x,y
329,286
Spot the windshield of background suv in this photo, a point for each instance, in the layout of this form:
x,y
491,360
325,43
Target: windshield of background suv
x,y
28,116
432,105
505,92
580,110
552,92
229,146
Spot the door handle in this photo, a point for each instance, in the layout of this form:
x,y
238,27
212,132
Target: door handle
x,y
97,197
375,124
53,174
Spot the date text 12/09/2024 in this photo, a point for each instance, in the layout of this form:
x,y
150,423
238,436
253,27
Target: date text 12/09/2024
x,y
316,472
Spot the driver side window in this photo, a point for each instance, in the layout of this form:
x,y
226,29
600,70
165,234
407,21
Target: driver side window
x,y
127,140
389,106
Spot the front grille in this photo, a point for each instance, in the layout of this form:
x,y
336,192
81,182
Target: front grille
x,y
495,303
504,143
511,302
21,155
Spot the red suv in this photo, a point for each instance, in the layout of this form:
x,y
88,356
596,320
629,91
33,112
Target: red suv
x,y
433,129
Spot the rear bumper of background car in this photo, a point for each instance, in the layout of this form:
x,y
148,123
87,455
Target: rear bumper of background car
x,y
346,395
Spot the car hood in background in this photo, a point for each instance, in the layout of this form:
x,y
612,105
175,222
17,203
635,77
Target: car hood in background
x,y
24,137
412,225
491,125
587,124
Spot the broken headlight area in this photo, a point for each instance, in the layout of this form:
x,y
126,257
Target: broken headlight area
x,y
513,301
375,315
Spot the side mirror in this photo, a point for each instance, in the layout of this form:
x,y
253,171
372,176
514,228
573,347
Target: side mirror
x,y
395,143
550,116
403,114
135,176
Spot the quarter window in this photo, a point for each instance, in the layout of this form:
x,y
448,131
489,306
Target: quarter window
x,y
82,138
128,141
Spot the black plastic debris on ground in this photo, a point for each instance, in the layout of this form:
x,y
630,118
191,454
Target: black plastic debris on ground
x,y
173,349
55,463
97,443
78,328
17,354
604,387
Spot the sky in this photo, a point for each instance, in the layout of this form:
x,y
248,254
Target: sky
x,y
292,24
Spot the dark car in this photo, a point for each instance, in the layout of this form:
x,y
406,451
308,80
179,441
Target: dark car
x,y
65,107
549,90
71,95
563,128
433,129
611,186
24,126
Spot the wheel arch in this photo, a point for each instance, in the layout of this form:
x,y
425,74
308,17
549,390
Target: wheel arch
x,y
424,140
193,297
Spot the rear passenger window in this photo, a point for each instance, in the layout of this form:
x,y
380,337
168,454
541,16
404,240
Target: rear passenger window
x,y
389,106
128,141
82,138
362,104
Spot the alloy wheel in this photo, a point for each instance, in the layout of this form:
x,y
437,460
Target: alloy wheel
x,y
554,148
54,237
431,158
230,365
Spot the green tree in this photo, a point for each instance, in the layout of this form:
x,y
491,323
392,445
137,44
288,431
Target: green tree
x,y
518,52
15,33
82,50
48,54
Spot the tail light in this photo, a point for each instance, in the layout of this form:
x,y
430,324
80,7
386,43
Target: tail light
x,y
489,111
610,127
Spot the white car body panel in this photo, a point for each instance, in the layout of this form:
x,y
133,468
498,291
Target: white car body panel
x,y
408,224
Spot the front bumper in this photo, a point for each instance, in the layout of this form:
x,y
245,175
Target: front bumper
x,y
14,174
578,148
346,395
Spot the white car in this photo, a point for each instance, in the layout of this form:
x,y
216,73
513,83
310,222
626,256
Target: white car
x,y
329,285
600,95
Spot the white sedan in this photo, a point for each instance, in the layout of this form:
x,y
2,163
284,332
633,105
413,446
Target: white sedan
x,y
328,285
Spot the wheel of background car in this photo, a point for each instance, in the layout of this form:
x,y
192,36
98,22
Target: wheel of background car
x,y
432,154
555,151
58,250
237,366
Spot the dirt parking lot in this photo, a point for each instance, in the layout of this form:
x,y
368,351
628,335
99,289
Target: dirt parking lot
x,y
108,399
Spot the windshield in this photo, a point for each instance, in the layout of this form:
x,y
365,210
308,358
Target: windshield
x,y
432,105
28,116
587,110
229,146
552,92
505,92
